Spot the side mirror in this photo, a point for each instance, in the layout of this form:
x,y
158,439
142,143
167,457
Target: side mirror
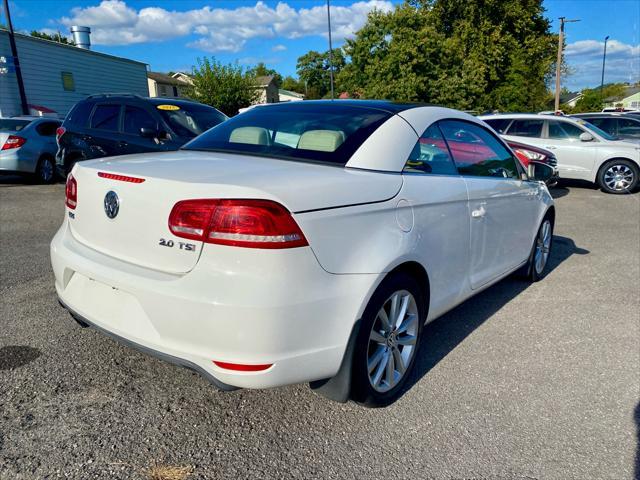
x,y
540,171
147,132
586,137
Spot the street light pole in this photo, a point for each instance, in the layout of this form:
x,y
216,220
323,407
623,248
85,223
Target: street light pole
x,y
604,58
330,48
563,20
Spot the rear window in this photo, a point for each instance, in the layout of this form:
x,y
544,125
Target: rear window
x,y
79,115
11,125
190,120
325,133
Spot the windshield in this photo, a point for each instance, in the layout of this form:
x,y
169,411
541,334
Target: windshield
x,y
326,133
190,120
12,125
595,129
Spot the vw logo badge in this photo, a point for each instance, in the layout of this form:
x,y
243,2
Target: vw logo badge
x,y
111,204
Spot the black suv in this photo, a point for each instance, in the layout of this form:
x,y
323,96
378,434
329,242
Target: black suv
x,y
116,124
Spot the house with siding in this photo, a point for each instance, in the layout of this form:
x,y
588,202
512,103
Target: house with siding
x,y
630,99
163,85
56,75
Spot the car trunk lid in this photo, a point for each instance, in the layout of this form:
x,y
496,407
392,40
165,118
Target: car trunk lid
x,y
139,232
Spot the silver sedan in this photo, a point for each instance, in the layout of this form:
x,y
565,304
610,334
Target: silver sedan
x,y
28,146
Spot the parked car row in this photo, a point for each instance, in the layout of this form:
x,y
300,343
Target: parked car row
x,y
583,151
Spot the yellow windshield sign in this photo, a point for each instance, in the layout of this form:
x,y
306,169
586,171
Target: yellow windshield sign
x,y
168,107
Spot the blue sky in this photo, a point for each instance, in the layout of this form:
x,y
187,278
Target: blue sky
x,y
170,35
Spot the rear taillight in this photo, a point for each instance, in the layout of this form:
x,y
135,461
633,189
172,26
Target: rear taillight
x,y
14,141
241,223
71,192
59,132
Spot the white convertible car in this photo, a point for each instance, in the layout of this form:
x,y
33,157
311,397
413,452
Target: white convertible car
x,y
304,242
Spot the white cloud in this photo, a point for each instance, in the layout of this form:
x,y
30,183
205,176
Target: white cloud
x,y
585,59
278,48
113,22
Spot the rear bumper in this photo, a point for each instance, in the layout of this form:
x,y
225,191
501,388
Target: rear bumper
x,y
240,306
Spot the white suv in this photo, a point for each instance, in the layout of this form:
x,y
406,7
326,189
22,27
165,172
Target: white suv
x,y
583,150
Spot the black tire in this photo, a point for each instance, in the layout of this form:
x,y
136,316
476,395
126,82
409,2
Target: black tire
x,y
45,170
629,174
529,272
362,389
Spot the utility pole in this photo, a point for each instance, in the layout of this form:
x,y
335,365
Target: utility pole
x,y
563,20
16,62
330,48
604,58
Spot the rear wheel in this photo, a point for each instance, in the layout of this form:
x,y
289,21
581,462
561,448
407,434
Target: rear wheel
x,y
45,170
388,341
618,176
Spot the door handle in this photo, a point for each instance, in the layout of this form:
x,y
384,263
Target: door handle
x,y
550,147
122,143
479,213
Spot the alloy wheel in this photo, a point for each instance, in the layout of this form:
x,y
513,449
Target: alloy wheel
x,y
392,341
46,171
543,247
618,177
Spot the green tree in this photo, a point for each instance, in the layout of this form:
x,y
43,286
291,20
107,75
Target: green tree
x,y
293,84
261,70
225,87
494,54
54,38
592,98
313,68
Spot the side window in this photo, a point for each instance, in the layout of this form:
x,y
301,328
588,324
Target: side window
x,y
628,127
136,118
498,124
526,128
563,130
105,117
477,152
431,155
47,129
606,124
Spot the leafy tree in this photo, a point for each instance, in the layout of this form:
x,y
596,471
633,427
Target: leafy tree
x,y
54,38
293,84
592,98
261,70
494,54
225,87
314,69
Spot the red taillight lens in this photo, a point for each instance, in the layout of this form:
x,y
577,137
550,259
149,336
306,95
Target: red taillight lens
x,y
59,132
241,367
241,223
522,157
71,193
14,141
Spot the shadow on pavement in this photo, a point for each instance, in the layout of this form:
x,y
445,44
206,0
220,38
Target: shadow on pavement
x,y
444,334
15,356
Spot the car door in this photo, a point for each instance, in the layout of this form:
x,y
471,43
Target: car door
x,y
104,129
576,158
437,195
134,141
502,207
46,130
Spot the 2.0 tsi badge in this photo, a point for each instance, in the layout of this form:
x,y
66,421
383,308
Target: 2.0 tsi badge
x,y
111,204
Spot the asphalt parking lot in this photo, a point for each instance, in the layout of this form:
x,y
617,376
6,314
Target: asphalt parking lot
x,y
524,381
